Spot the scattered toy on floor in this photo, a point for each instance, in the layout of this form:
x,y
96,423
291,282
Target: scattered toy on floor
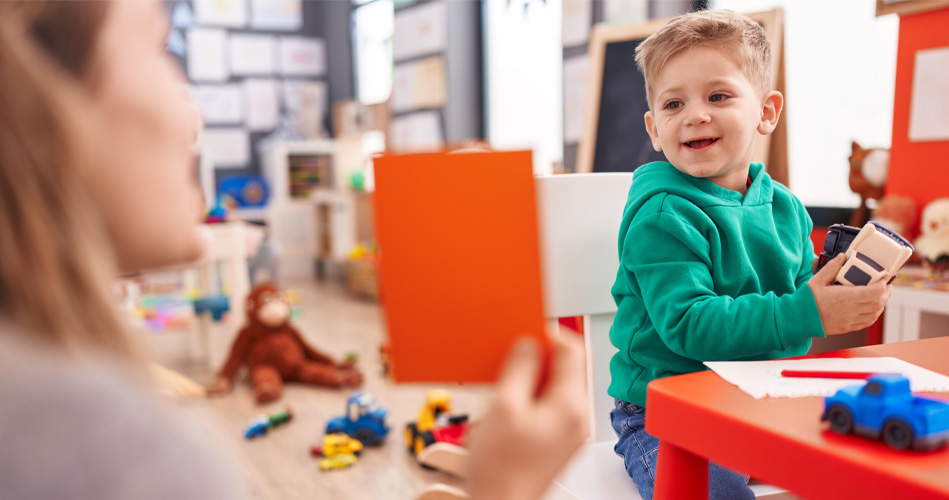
x,y
436,424
263,423
338,451
275,352
363,420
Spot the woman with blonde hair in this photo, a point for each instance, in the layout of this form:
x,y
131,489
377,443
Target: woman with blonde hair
x,y
96,180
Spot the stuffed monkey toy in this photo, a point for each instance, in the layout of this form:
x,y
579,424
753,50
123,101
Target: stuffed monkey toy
x,y
274,351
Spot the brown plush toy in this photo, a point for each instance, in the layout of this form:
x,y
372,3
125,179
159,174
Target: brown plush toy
x,y
274,351
868,173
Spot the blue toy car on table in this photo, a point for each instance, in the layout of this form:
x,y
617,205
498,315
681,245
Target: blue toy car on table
x,y
363,420
886,408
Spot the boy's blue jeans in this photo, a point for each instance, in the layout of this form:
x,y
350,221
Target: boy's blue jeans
x,y
639,451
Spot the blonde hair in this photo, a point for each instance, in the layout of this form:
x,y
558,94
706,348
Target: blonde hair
x,y
737,35
56,260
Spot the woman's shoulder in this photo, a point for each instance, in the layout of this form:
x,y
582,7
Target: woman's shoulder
x,y
97,428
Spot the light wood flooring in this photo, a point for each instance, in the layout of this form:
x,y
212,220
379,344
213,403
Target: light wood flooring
x,y
279,466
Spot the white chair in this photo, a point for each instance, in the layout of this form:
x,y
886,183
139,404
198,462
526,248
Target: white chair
x,y
579,217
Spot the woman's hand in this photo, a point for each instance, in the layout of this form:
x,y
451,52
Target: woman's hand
x,y
524,440
220,386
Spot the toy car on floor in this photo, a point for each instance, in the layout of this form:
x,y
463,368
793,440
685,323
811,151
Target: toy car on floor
x,y
338,451
260,425
435,424
886,408
363,420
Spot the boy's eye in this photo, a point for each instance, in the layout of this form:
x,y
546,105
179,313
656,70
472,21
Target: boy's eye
x,y
673,105
717,98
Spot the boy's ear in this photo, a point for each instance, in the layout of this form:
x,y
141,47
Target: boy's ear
x,y
652,131
770,112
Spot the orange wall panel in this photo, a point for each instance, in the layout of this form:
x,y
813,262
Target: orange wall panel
x,y
919,170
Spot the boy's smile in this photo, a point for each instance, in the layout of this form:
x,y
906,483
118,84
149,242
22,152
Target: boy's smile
x,y
707,114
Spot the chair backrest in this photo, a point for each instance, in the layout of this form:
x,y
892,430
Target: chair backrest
x,y
579,217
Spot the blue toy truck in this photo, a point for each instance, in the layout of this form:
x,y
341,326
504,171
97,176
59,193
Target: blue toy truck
x,y
363,420
886,408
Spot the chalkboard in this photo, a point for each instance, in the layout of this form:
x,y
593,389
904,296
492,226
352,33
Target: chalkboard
x,y
622,143
614,135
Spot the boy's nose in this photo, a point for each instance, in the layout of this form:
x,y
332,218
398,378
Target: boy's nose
x,y
697,115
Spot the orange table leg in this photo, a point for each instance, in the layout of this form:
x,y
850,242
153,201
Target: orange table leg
x,y
680,474
875,332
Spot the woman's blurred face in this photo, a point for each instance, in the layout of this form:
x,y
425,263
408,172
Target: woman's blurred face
x,y
145,183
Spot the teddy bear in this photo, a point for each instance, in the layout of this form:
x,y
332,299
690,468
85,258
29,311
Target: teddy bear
x,y
274,351
933,245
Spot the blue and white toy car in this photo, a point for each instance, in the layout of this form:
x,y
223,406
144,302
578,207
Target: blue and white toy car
x,y
886,408
363,420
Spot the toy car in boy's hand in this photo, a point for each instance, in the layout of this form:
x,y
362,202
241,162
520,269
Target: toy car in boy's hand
x,y
885,408
874,253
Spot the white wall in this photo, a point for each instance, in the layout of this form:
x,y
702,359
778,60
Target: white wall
x,y
840,67
524,78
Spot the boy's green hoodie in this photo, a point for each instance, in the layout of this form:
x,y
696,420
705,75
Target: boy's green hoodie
x,y
707,274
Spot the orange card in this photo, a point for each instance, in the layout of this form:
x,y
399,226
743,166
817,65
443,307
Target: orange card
x,y
460,269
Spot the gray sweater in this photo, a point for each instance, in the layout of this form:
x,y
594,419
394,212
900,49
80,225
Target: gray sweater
x,y
88,430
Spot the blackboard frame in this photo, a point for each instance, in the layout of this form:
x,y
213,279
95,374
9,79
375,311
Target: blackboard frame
x,y
769,149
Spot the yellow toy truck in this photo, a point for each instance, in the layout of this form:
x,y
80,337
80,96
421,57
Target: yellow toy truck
x,y
435,424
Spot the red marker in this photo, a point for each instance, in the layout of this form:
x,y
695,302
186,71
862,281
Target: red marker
x,y
827,374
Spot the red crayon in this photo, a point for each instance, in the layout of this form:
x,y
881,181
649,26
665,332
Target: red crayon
x,y
827,374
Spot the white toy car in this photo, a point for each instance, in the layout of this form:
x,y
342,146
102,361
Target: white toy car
x,y
876,253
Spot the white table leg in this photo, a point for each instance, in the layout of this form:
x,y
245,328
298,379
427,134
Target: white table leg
x,y
893,324
910,330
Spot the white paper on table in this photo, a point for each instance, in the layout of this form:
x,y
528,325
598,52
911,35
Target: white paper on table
x,y
419,84
416,131
420,30
577,15
253,54
575,74
263,105
627,11
929,109
230,13
227,147
762,379
302,56
206,55
220,103
277,15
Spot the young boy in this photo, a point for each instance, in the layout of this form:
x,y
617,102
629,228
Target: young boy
x,y
715,257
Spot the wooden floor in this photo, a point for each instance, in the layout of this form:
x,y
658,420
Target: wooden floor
x,y
278,465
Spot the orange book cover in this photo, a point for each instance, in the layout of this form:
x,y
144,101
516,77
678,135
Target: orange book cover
x,y
460,271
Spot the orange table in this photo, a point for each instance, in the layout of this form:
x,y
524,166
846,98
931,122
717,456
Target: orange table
x,y
699,417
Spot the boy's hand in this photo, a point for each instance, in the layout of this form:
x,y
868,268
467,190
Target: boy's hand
x,y
845,309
